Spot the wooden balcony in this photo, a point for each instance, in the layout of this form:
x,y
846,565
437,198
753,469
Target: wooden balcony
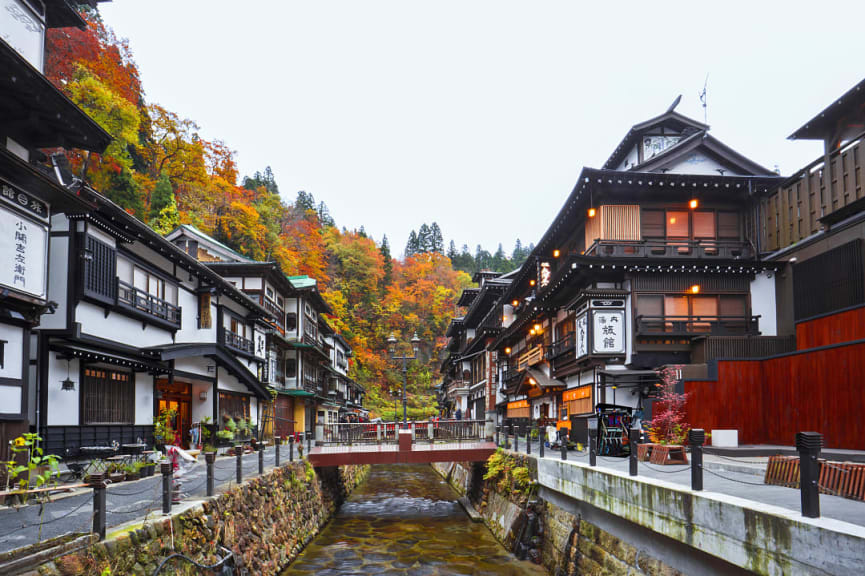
x,y
237,342
140,302
563,346
681,249
530,357
711,348
807,200
692,326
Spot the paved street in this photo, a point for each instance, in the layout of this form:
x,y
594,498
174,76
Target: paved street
x,y
127,501
741,477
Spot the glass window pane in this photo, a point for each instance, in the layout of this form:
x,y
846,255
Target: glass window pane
x,y
677,225
704,225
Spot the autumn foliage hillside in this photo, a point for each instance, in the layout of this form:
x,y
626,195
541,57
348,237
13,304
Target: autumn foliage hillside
x,y
163,172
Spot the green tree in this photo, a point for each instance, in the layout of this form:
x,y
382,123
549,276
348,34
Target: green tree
x,y
412,247
161,198
452,251
124,191
384,249
424,239
437,242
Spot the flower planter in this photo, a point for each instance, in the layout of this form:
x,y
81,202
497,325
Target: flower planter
x,y
644,451
147,470
116,477
668,454
133,475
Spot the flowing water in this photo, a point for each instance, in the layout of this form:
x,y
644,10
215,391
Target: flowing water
x,y
405,520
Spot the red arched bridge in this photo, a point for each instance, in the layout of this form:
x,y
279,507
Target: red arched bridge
x,y
397,443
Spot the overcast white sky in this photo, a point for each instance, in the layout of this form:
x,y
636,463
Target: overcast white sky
x,y
480,114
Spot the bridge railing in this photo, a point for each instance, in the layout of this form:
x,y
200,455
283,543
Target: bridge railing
x,y
387,432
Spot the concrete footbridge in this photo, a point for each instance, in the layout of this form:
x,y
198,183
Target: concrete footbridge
x,y
401,443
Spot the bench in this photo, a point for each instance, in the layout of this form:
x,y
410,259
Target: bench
x,y
662,454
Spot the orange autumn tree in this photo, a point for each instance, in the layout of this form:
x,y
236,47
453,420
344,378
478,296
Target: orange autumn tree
x,y
371,293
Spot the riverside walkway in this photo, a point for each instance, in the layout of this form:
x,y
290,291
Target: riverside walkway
x,y
731,476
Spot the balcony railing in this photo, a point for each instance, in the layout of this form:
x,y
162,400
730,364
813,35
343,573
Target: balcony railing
x,y
560,347
714,249
237,342
132,298
530,357
276,312
697,325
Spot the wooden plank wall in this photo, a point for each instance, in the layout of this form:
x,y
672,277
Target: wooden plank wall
x,y
834,329
770,400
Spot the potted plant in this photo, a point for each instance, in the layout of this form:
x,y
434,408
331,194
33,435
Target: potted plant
x,y
242,429
668,429
163,431
116,473
147,469
132,470
206,445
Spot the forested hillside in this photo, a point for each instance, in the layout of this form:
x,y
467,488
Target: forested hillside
x,y
162,171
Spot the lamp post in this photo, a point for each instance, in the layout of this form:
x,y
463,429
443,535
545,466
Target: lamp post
x,y
391,347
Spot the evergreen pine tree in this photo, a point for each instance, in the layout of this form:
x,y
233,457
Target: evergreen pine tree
x,y
324,216
500,260
162,197
305,202
452,251
125,191
411,247
436,239
424,239
384,249
362,232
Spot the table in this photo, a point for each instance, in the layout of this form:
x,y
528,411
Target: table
x,y
97,454
134,450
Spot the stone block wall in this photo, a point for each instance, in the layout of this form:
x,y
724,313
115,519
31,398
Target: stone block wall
x,y
266,522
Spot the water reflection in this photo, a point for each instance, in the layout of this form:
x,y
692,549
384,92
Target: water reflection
x,y
405,520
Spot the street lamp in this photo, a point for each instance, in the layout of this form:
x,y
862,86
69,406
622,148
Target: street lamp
x,y
392,350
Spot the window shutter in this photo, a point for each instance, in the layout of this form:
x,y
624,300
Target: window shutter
x,y
704,225
100,270
652,223
732,306
650,305
677,225
728,225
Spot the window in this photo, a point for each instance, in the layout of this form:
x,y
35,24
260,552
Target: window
x,y
677,224
99,270
291,367
291,322
280,302
148,282
728,225
205,320
269,291
107,396
233,405
652,224
704,225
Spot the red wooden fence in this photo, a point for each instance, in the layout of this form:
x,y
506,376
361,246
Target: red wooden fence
x,y
834,329
768,401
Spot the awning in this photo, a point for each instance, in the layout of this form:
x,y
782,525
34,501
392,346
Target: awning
x,y
141,363
223,358
294,392
536,379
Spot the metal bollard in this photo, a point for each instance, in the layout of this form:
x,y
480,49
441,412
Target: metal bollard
x,y
276,441
696,437
291,442
593,454
542,435
260,447
167,472
529,440
517,440
209,460
308,444
99,505
563,438
498,429
507,436
378,433
238,452
809,444
633,440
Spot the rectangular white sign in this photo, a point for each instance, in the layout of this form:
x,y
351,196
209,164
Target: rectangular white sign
x,y
23,253
608,332
582,328
23,31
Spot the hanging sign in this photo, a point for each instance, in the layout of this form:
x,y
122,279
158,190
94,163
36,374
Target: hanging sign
x,y
22,29
582,329
577,393
608,332
23,242
544,274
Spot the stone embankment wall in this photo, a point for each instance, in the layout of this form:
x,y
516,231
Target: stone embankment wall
x,y
563,541
266,522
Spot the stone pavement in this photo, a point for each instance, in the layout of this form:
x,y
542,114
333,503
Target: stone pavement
x,y
126,502
740,477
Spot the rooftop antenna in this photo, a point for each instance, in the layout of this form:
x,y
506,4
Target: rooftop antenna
x,y
705,100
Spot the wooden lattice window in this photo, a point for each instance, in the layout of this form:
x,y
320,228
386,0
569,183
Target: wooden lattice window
x,y
107,396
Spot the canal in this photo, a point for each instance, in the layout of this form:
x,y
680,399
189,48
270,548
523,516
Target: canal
x,y
405,520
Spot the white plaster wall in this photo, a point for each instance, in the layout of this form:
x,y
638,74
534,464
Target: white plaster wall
x,y
100,235
230,383
118,327
630,160
143,399
252,283
62,406
10,399
58,272
763,302
202,408
189,332
196,365
12,352
124,269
